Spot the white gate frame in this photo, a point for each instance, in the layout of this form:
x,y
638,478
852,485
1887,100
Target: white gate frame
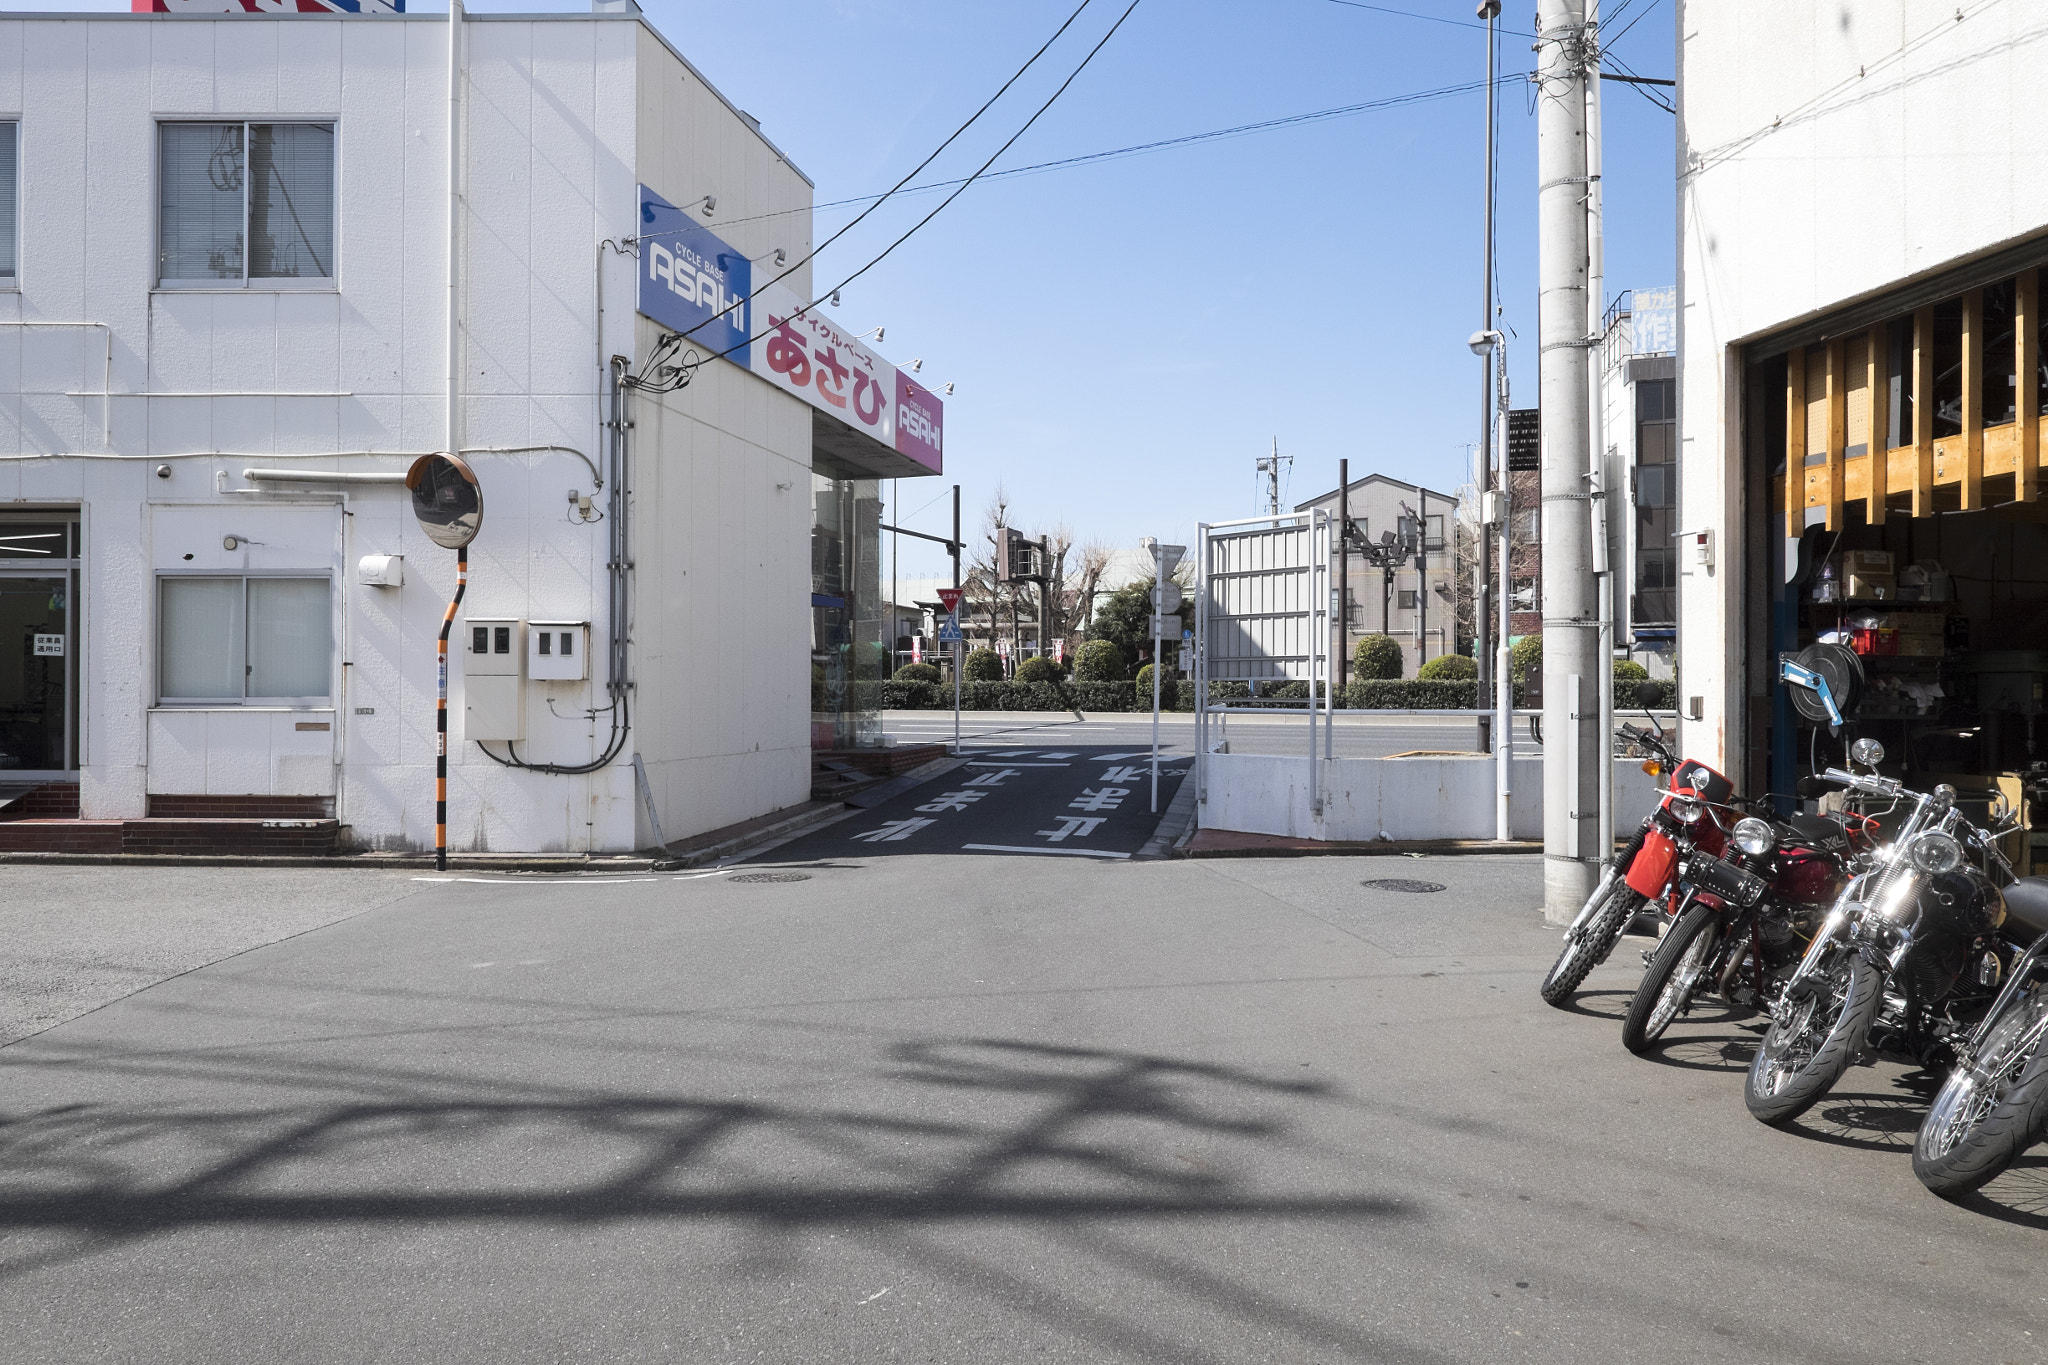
x,y
1312,667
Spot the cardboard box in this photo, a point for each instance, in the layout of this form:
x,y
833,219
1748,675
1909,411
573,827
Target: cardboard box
x,y
1869,587
1921,646
1867,562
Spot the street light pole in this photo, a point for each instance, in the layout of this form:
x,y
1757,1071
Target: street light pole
x,y
1489,10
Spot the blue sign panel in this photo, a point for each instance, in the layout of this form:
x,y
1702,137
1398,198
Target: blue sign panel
x,y
692,282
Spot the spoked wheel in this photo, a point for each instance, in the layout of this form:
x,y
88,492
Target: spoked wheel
x,y
1673,975
1590,945
1814,1036
1992,1109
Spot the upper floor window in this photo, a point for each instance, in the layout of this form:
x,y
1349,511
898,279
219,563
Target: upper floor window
x,y
10,162
246,204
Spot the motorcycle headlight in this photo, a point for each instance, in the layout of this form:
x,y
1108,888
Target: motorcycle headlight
x,y
1687,810
1935,853
1755,837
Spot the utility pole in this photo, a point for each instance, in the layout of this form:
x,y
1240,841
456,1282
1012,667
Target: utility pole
x,y
1571,755
1269,465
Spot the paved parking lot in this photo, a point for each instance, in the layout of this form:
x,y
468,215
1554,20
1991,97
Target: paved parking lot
x,y
953,1108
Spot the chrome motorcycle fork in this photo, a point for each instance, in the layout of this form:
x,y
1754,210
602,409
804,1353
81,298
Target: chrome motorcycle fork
x,y
2021,970
1607,878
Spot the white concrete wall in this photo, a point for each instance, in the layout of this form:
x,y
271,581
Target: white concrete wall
x,y
1403,798
554,138
1825,153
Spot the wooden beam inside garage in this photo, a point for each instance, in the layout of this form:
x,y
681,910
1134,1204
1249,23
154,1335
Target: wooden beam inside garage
x,y
1837,392
2026,325
1973,400
1923,412
1795,442
1877,385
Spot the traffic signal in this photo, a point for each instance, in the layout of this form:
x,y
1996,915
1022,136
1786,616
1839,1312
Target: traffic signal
x,y
1007,540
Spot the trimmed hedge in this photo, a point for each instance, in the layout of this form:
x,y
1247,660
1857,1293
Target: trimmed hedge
x,y
1377,657
1448,668
1037,670
924,673
1397,694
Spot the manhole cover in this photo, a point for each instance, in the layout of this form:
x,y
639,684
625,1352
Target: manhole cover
x,y
1403,884
770,877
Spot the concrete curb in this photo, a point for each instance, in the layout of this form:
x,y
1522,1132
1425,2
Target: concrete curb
x,y
778,832
1176,826
362,862
1381,849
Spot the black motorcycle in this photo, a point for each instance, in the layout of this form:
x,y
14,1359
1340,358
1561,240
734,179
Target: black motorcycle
x,y
1994,1104
1907,960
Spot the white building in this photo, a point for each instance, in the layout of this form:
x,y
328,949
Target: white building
x,y
227,250
1863,201
1639,392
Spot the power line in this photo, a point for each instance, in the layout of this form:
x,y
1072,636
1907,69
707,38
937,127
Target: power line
x,y
1136,149
1640,84
809,256
1432,18
885,252
1607,42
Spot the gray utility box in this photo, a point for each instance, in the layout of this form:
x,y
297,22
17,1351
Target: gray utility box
x,y
558,651
493,694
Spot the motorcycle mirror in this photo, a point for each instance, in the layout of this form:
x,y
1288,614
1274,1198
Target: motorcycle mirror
x,y
1868,752
1813,788
1648,694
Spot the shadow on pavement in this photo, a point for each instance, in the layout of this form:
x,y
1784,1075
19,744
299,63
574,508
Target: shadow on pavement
x,y
1073,1142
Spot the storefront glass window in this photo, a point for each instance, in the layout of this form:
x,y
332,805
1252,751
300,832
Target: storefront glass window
x,y
849,655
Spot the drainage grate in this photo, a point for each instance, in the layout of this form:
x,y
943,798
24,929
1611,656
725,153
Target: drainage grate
x,y
1403,884
777,877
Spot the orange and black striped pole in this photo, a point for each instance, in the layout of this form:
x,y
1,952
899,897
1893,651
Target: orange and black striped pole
x,y
441,717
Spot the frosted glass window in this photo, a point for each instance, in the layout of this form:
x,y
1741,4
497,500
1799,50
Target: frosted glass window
x,y
289,637
245,201
291,201
244,639
9,199
199,639
202,202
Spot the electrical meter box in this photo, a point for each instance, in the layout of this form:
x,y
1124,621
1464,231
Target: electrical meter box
x,y
558,651
493,702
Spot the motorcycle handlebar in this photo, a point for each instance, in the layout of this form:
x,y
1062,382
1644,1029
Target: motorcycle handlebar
x,y
1865,782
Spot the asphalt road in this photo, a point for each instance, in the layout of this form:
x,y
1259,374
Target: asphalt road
x,y
1093,801
934,1107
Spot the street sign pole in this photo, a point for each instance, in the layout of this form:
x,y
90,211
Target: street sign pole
x,y
1166,599
949,633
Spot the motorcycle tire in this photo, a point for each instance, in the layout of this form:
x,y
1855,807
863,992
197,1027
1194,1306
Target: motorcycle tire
x,y
1985,1116
1777,1096
1591,945
1673,975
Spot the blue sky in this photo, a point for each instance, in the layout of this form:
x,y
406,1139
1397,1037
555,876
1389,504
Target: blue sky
x,y
1129,337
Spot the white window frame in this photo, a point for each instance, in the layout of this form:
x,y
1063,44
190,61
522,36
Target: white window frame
x,y
329,284
322,702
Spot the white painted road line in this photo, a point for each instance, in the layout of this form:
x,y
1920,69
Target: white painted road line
x,y
1002,763
1065,852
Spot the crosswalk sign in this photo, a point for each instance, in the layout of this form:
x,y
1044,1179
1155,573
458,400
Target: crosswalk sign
x,y
949,631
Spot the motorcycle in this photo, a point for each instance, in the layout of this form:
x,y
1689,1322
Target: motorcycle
x,y
1645,869
1909,955
1740,923
1994,1104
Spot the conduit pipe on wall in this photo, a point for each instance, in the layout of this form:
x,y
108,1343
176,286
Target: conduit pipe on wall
x,y
457,74
317,476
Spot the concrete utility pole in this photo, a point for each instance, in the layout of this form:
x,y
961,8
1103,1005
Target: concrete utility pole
x,y
1482,645
1571,738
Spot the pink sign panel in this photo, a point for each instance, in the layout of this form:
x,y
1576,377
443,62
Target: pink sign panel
x,y
920,424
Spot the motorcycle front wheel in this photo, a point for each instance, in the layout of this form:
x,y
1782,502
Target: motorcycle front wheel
x,y
1589,947
1991,1110
1814,1036
1669,982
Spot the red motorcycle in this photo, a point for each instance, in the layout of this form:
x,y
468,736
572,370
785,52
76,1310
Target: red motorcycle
x,y
1739,924
1646,870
